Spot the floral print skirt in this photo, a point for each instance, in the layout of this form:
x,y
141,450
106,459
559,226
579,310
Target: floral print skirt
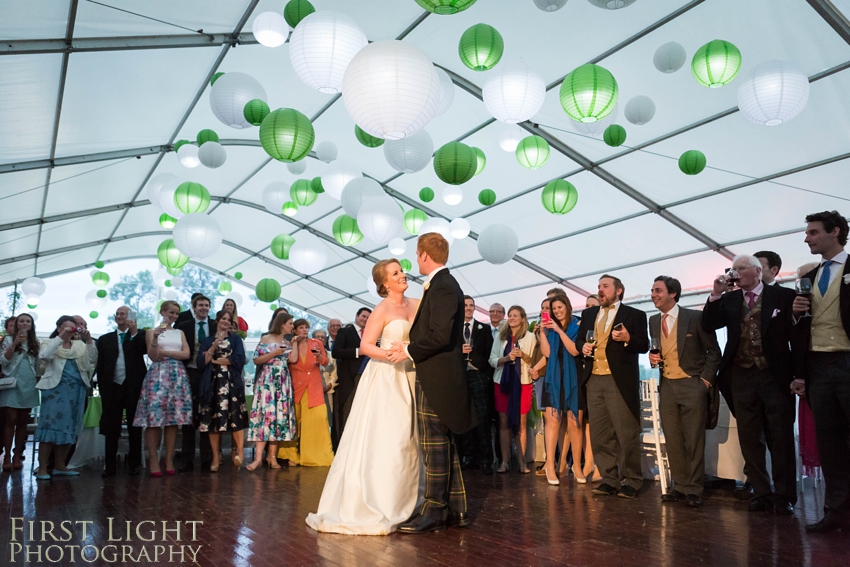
x,y
227,411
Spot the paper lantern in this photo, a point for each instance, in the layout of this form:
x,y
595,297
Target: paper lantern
x,y
176,281
287,135
230,94
438,225
212,155
207,135
197,235
167,283
513,92
31,301
179,144
559,197
308,255
445,7
160,276
455,163
99,264
256,111
225,287
774,93
357,191
215,77
166,197
267,290
156,184
174,271
380,219
452,195
33,286
270,29
337,176
372,288
615,135
550,5
94,301
482,160
297,10
316,185
410,154
397,246
692,162
487,197
191,198
166,221
101,293
498,243
273,307
281,245
321,48
302,193
235,296
406,266
413,219
481,47
510,139
532,152
238,275
670,57
589,93
447,91
93,314
367,140
596,129
275,195
100,279
391,89
326,151
459,228
297,168
612,4
346,231
716,63
289,209
640,110
426,194
188,156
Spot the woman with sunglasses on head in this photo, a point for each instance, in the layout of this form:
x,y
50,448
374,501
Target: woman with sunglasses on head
x,y
19,361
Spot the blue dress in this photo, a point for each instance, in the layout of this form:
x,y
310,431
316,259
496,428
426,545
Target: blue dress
x,y
62,408
23,395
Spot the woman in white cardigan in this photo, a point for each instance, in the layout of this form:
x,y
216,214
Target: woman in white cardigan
x,y
69,357
513,390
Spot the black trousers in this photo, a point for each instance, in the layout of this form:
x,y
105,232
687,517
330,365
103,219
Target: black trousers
x,y
683,405
828,390
116,401
476,445
765,413
189,430
341,411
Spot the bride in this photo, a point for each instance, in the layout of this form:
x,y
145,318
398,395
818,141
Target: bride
x,y
372,486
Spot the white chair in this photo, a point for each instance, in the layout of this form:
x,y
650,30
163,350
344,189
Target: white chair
x,y
31,427
652,437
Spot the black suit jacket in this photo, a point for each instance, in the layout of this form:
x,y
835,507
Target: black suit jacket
x,y
776,329
482,342
347,362
435,346
184,316
134,362
189,327
622,357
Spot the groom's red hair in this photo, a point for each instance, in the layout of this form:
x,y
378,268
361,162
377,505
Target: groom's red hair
x,y
435,246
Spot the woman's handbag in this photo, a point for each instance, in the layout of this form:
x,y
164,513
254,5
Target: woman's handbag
x,y
8,382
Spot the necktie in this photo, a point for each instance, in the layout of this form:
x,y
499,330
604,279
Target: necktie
x,y
360,332
823,282
201,332
664,328
606,313
466,333
121,337
751,299
426,286
331,344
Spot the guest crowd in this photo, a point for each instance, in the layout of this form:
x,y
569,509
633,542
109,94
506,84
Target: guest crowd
x,y
580,374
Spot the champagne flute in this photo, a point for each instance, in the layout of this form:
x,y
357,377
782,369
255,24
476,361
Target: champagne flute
x,y
469,342
654,348
803,287
591,338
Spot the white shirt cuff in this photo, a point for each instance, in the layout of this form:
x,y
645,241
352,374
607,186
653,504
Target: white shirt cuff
x,y
357,353
407,353
713,297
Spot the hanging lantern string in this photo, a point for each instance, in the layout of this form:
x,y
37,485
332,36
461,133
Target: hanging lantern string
x,y
200,31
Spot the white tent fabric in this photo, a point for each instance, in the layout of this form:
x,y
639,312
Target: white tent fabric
x,y
92,99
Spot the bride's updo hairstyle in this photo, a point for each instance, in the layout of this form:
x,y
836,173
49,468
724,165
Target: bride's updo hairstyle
x,y
379,275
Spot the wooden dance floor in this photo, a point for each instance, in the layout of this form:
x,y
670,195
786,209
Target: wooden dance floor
x,y
257,520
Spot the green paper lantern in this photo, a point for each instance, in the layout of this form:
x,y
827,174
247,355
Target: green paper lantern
x,y
100,279
169,256
273,307
215,77
180,143
406,266
287,135
445,7
532,152
255,111
346,231
101,293
297,10
174,271
167,222
207,135
191,197
167,283
455,163
302,193
290,209
589,93
692,162
559,197
224,288
367,139
281,245
482,160
426,194
93,314
316,185
487,197
413,220
716,63
481,47
29,305
99,264
238,275
614,135
268,290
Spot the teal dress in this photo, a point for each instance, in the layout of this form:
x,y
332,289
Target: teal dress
x,y
62,408
23,395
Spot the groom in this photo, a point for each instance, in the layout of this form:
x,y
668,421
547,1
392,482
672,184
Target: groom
x,y
442,398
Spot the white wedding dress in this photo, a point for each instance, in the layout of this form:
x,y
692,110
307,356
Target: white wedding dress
x,y
374,480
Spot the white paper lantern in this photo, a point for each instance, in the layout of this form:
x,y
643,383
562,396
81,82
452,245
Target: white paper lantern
x,y
188,155
298,167
308,255
438,225
373,289
95,302
452,195
447,91
34,316
670,57
397,246
327,151
197,235
176,281
229,95
513,91
235,296
160,276
510,139
459,228
166,197
640,110
31,299
595,129
33,286
357,191
155,186
550,5
774,93
170,295
380,219
275,195
270,29
212,155
391,89
337,176
321,48
93,272
498,243
410,154
612,4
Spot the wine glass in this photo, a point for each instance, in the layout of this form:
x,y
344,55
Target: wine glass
x,y
591,338
654,348
469,342
803,287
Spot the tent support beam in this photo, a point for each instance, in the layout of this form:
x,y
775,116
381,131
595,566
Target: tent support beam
x,y
125,43
833,17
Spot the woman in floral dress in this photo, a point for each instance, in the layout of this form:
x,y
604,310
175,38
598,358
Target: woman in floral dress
x,y
273,411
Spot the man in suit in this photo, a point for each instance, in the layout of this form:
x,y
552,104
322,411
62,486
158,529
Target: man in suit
x,y
334,325
120,372
759,365
476,445
825,335
689,359
443,405
189,314
346,353
612,380
196,329
771,263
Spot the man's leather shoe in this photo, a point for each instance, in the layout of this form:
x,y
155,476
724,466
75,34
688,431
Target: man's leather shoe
x,y
830,522
673,496
694,501
135,470
422,525
783,508
487,468
760,504
186,467
627,492
604,490
744,492
458,519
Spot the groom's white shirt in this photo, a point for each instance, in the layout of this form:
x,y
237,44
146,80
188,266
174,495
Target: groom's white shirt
x,y
425,285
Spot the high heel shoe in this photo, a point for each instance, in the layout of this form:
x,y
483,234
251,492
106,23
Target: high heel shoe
x,y
272,464
237,461
253,466
170,472
156,474
579,479
551,481
214,468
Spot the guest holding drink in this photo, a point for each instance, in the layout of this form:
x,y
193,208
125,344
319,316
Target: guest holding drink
x,y
230,307
19,361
